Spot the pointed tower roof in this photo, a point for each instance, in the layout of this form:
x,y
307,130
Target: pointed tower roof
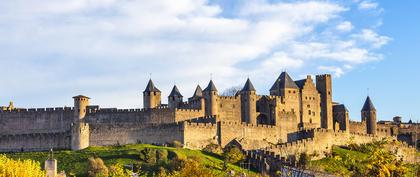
x,y
368,106
210,87
151,87
198,92
248,86
284,81
175,92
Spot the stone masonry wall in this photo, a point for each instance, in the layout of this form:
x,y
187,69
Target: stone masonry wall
x,y
41,120
251,136
230,108
34,142
199,135
129,133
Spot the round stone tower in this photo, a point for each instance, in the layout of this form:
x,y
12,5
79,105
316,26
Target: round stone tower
x,y
212,99
249,103
174,98
151,96
80,129
369,116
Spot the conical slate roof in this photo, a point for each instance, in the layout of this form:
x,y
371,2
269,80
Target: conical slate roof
x,y
198,92
368,106
340,108
248,86
175,92
210,87
151,87
284,81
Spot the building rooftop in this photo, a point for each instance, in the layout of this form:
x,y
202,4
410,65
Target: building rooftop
x,y
248,86
151,87
284,81
368,106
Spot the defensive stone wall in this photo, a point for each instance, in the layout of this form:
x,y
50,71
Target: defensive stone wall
x,y
230,108
40,120
199,135
129,133
249,135
357,127
187,114
34,142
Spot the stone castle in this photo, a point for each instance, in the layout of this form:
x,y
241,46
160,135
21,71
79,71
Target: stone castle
x,y
297,116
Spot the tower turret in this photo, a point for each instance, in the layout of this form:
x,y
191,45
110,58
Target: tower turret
x,y
211,97
249,103
369,116
80,104
324,87
174,98
198,99
80,129
151,96
285,87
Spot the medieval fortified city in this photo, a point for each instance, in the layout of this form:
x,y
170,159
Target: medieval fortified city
x,y
209,88
298,117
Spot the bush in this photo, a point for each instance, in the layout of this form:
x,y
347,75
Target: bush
x,y
162,154
177,144
20,168
213,148
148,155
97,167
118,171
233,155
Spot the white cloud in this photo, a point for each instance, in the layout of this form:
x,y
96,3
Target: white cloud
x,y
368,5
372,38
345,26
281,61
338,72
96,47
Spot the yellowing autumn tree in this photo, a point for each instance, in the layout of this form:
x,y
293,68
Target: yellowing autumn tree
x,y
20,168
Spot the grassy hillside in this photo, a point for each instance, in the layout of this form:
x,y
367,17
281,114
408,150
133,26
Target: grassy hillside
x,y
76,162
345,162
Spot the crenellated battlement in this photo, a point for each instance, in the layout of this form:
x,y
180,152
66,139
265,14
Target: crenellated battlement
x,y
363,134
246,124
37,110
200,125
188,110
229,97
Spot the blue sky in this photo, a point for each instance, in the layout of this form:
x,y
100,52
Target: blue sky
x,y
51,50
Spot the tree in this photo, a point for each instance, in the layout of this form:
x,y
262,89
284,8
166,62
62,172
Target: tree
x,y
118,171
231,91
97,168
383,163
20,168
233,155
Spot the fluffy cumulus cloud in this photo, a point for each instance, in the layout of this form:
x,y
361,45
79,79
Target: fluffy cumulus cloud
x,y
345,26
107,48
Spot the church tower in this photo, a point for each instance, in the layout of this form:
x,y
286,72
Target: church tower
x,y
174,98
249,103
324,87
369,116
80,129
211,97
151,96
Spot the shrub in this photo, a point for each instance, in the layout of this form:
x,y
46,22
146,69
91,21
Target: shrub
x,y
233,155
162,154
177,144
20,168
148,155
118,171
213,148
97,167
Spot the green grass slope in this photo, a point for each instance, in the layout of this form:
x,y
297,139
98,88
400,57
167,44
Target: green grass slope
x,y
76,162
